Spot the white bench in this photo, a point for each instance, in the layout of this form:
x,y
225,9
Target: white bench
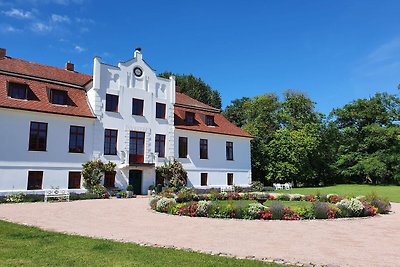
x,y
56,193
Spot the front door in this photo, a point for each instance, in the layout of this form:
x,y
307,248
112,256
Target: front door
x,y
135,179
136,147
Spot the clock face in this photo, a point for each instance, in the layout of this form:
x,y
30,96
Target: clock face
x,y
138,71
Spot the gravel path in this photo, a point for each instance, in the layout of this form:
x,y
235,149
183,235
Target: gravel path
x,y
352,242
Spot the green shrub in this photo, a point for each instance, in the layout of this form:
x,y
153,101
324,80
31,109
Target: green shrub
x,y
257,186
322,210
186,194
350,207
129,188
296,197
203,208
277,210
173,174
253,210
164,204
305,212
15,198
153,202
83,196
92,173
382,204
283,197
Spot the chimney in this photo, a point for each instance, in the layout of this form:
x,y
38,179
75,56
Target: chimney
x,y
138,53
69,66
3,52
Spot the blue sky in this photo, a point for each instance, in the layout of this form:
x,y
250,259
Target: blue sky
x,y
334,51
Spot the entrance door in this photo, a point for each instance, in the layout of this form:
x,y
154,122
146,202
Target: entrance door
x,y
136,147
135,179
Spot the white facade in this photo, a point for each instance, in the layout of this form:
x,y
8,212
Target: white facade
x,y
121,81
57,162
216,166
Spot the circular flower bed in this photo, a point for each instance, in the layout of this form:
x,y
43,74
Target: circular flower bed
x,y
266,206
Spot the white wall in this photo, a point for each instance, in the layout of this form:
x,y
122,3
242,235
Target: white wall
x,y
120,80
216,165
16,160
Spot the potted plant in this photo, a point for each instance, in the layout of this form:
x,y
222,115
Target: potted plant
x,y
151,190
129,191
118,195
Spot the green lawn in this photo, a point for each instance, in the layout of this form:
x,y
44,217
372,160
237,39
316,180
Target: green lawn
x,y
392,192
28,246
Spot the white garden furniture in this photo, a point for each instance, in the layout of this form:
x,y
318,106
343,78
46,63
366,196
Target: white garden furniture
x,y
56,193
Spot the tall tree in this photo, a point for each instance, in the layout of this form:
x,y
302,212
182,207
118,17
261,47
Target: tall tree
x,y
370,147
196,88
235,112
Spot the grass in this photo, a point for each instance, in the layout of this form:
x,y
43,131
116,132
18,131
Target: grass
x,y
29,246
391,192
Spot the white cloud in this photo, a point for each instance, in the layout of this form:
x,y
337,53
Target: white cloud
x,y
79,49
18,13
8,29
84,21
60,18
386,51
41,27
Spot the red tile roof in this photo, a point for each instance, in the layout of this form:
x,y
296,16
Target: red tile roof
x,y
39,90
222,125
20,66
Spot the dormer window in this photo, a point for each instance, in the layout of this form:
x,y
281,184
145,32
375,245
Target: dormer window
x,y
189,118
210,120
58,97
18,90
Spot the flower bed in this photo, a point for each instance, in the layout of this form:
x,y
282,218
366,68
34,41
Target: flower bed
x,y
265,206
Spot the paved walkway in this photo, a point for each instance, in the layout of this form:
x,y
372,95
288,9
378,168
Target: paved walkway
x,y
361,242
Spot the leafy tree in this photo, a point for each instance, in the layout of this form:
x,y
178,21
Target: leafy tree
x,y
173,174
235,112
370,145
196,88
92,173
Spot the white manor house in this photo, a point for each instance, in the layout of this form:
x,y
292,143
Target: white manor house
x,y
53,120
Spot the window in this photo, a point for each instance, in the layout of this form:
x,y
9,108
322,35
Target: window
x,y
109,179
160,145
58,97
229,150
76,139
229,177
74,180
110,142
17,90
35,179
137,107
183,147
112,103
160,111
38,136
203,181
203,148
189,118
209,120
136,147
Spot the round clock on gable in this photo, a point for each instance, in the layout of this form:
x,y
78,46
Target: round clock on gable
x,y
138,71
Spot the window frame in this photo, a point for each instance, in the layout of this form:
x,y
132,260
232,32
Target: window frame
x,y
36,146
191,115
229,178
112,103
56,93
160,143
76,137
137,144
229,150
31,185
203,148
204,176
74,184
210,120
109,141
163,107
135,110
182,147
10,90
